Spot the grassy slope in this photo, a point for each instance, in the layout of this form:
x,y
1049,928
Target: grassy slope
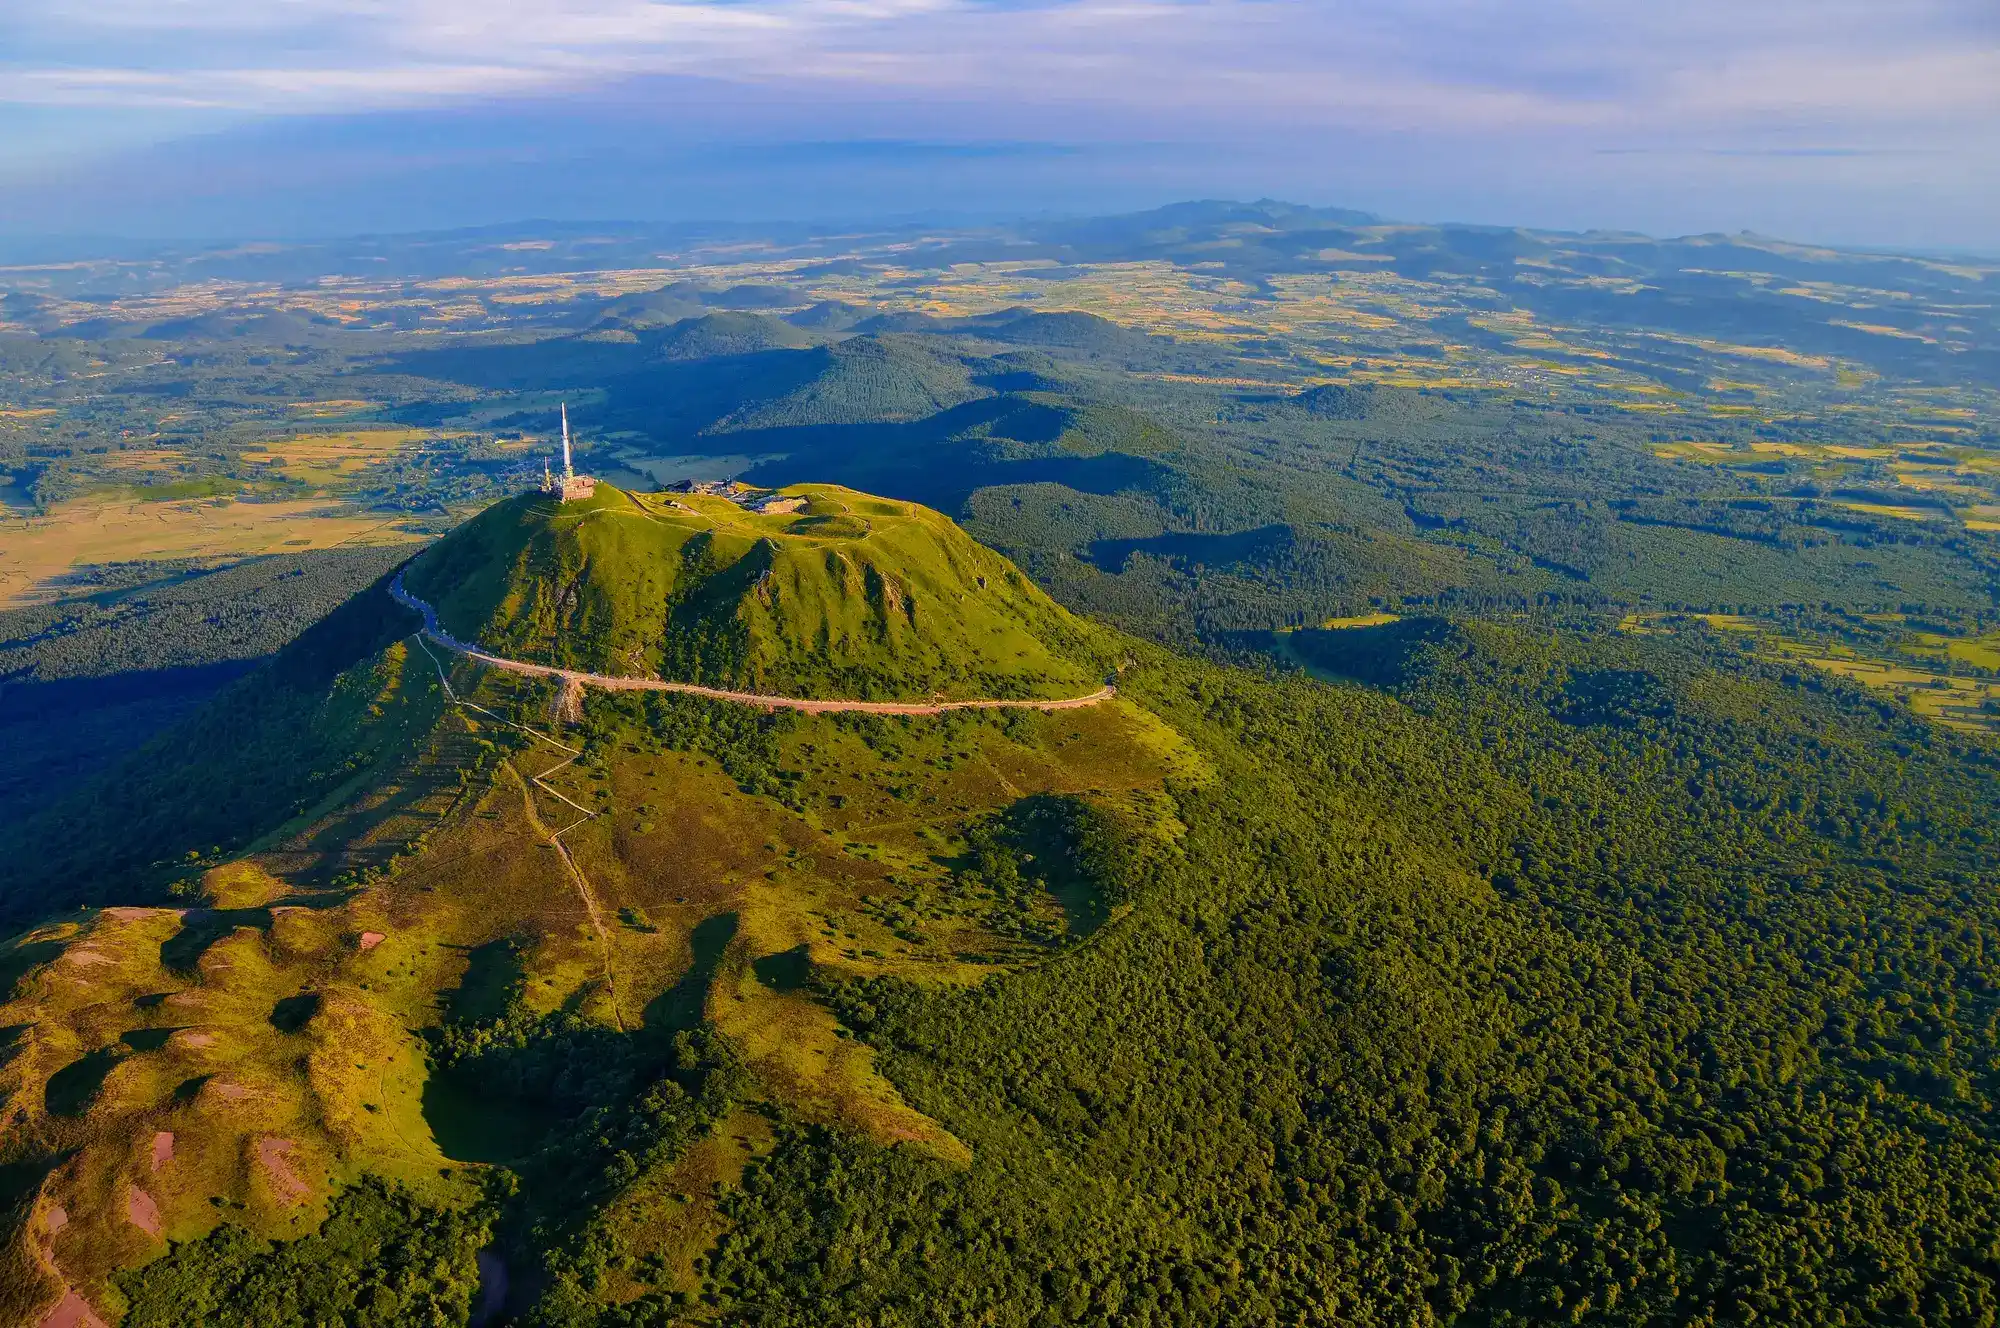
x,y
1403,1009
125,665
852,597
265,1019
736,855
326,713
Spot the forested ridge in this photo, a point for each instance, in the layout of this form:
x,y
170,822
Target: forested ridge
x,y
130,662
1556,976
1584,946
1423,1021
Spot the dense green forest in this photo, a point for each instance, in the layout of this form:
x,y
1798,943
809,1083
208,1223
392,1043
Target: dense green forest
x,y
1492,899
1533,975
127,663
1569,984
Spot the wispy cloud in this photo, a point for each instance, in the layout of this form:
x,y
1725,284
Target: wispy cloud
x,y
1420,63
1872,119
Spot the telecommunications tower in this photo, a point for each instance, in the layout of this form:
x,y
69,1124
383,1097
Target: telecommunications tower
x,y
570,485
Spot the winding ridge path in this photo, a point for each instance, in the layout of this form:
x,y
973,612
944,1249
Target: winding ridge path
x,y
612,683
581,883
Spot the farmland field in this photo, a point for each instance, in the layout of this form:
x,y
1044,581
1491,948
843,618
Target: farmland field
x,y
1529,855
40,551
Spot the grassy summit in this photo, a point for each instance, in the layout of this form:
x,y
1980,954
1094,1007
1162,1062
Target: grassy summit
x,y
355,953
850,596
1512,975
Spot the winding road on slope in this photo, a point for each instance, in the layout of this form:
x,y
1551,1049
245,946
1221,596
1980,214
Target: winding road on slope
x,y
612,683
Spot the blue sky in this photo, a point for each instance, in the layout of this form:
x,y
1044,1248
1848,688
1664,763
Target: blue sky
x,y
1860,121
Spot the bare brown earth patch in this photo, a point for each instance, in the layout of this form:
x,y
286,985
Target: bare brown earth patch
x,y
140,914
72,1311
142,1212
163,1149
274,1155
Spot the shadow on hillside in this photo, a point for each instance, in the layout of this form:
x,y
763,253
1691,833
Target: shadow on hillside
x,y
202,927
493,975
18,962
932,461
681,1005
473,1124
71,1090
102,719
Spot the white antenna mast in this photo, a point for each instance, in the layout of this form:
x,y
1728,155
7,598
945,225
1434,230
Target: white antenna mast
x,y
569,471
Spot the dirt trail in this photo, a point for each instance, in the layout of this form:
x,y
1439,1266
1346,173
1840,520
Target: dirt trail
x,y
612,683
528,784
578,880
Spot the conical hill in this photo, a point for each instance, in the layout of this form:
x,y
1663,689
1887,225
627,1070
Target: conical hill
x,y
845,596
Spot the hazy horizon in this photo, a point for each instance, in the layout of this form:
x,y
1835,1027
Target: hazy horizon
x,y
30,247
1828,123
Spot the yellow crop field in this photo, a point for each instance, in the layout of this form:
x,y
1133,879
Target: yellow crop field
x,y
1892,510
1880,330
1956,702
140,458
329,458
36,550
1706,453
1979,651
1774,354
1223,382
339,406
1959,703
1933,482
1870,672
